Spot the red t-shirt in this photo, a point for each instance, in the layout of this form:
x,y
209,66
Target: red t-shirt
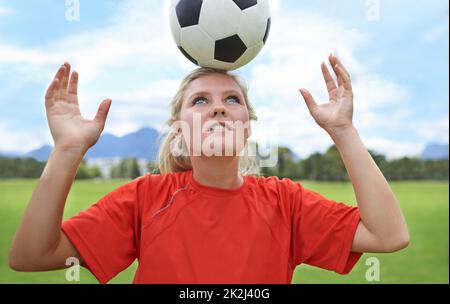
x,y
184,232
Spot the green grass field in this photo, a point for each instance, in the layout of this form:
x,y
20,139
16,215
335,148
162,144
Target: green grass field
x,y
425,205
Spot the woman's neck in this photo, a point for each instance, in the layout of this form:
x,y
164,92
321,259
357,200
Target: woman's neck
x,y
217,172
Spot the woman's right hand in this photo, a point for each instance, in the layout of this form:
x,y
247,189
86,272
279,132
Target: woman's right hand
x,y
70,131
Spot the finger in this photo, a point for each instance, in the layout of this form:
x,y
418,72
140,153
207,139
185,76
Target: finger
x,y
65,79
73,88
331,84
339,62
51,91
334,63
60,76
73,83
103,111
309,100
347,84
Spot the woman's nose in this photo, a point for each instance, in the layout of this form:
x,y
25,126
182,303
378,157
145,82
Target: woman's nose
x,y
218,110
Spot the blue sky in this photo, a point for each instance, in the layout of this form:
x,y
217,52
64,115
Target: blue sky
x,y
124,50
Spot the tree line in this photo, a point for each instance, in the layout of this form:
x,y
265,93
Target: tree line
x,y
320,167
31,168
330,167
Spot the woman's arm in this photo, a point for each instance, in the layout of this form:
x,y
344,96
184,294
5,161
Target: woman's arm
x,y
382,227
39,243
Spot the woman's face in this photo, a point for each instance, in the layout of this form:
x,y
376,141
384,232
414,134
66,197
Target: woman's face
x,y
215,116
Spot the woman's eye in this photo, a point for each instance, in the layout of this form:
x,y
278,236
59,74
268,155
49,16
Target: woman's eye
x,y
235,98
198,100
202,100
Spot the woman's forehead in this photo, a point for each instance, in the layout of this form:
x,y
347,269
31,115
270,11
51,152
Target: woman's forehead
x,y
212,82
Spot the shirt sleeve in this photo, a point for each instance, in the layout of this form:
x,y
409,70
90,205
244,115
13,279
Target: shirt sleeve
x,y
323,230
107,234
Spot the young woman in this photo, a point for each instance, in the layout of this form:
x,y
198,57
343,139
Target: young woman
x,y
203,219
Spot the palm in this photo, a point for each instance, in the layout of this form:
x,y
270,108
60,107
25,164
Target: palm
x,y
335,113
68,128
338,112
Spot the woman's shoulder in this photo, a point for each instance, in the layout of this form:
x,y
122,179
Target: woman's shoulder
x,y
272,180
167,176
167,180
274,183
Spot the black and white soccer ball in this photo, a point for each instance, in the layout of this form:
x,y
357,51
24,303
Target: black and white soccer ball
x,y
221,34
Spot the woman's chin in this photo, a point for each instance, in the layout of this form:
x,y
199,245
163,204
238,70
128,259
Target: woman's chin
x,y
219,149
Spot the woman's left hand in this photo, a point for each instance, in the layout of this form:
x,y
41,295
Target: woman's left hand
x,y
337,114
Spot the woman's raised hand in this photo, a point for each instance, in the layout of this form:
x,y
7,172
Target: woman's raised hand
x,y
337,114
70,131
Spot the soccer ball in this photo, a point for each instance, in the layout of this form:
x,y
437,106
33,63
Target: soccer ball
x,y
221,34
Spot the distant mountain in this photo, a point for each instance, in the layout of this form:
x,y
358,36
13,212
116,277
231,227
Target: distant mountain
x,y
144,144
9,154
141,144
40,154
435,151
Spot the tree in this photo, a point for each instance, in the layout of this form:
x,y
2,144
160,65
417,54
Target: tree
x,y
134,169
127,168
87,172
152,167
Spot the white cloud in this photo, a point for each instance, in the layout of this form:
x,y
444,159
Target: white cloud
x,y
436,33
395,119
6,11
298,43
137,36
13,55
131,109
158,91
275,6
394,149
21,141
435,131
137,40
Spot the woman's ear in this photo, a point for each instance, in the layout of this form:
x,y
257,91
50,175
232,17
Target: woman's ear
x,y
176,128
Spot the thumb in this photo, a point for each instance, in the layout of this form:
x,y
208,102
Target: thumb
x,y
309,100
103,110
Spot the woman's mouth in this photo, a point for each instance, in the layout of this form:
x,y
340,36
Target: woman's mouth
x,y
219,127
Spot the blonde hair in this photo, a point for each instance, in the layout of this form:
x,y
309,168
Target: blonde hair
x,y
167,162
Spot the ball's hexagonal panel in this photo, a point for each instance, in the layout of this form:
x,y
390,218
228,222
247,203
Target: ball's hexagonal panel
x,y
249,54
229,49
253,25
197,43
220,18
175,27
188,12
244,4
